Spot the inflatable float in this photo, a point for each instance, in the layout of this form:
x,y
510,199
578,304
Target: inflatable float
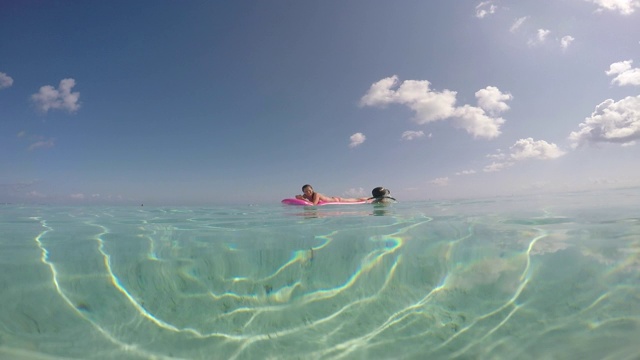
x,y
321,203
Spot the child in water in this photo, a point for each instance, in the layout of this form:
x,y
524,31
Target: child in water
x,y
381,196
314,197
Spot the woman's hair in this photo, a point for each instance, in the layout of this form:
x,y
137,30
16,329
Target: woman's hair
x,y
306,186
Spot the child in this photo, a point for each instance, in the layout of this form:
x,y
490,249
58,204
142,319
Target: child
x,y
314,197
381,196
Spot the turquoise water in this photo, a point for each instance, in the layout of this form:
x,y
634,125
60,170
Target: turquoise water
x,y
537,277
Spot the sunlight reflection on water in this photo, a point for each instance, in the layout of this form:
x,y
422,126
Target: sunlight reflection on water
x,y
524,278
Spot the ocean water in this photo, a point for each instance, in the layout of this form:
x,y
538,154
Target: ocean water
x,y
537,277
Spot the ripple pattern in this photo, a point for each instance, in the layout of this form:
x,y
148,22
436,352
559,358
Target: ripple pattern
x,y
207,283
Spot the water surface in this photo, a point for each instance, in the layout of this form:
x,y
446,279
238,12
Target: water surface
x,y
537,277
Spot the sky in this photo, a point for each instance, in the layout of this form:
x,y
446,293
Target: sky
x,y
164,102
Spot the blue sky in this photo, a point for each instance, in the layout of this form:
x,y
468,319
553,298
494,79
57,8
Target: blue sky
x,y
214,102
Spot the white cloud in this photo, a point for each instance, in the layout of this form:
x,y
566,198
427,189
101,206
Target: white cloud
x,y
541,37
492,100
42,144
543,34
619,67
613,122
443,181
603,181
566,41
523,149
78,196
357,139
530,149
430,105
380,93
625,74
499,155
411,134
35,194
476,122
625,7
466,172
497,166
485,8
5,80
37,141
518,23
58,99
355,192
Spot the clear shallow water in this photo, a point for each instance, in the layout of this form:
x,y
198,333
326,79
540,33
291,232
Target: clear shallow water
x,y
510,278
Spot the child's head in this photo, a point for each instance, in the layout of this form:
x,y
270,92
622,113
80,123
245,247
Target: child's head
x,y
380,192
307,189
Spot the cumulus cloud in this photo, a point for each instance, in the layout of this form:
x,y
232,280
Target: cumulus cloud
x,y
518,23
357,139
50,98
498,155
530,149
5,80
611,122
430,105
78,196
485,8
625,7
540,38
566,41
543,34
523,149
411,135
443,181
624,74
476,122
492,100
497,166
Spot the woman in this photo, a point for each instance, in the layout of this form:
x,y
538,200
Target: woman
x,y
314,197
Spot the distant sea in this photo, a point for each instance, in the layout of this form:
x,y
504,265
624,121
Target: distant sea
x,y
536,277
